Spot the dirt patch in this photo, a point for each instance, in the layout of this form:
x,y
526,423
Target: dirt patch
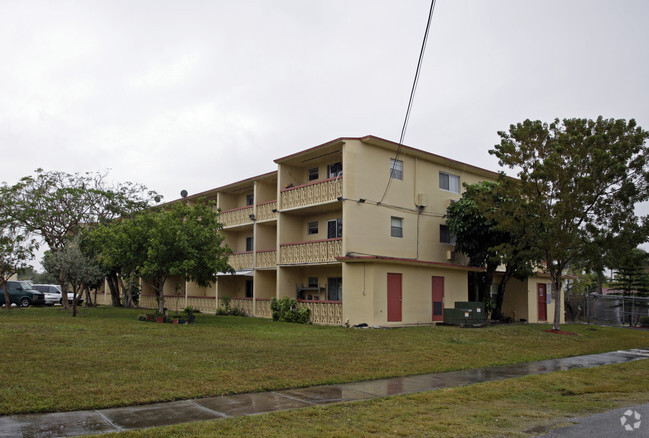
x,y
560,332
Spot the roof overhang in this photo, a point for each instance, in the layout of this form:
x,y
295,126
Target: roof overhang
x,y
240,272
409,262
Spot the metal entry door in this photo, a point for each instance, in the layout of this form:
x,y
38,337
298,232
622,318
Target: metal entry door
x,y
394,297
437,288
542,302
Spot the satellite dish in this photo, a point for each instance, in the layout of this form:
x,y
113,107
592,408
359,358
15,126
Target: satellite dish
x,y
183,193
157,198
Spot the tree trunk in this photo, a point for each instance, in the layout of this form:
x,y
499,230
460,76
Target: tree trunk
x,y
555,275
6,292
158,285
89,301
64,291
114,289
500,296
473,286
126,292
75,299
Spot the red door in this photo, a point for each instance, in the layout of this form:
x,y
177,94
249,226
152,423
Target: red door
x,y
394,297
438,298
541,302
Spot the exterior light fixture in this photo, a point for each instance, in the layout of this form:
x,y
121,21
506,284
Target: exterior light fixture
x,y
340,198
362,200
252,217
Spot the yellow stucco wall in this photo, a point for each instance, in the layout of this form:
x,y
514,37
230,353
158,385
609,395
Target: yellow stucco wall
x,y
194,290
265,283
266,236
232,286
265,192
371,278
290,277
367,225
520,301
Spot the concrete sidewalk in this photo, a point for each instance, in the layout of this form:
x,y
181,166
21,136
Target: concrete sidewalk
x,y
214,408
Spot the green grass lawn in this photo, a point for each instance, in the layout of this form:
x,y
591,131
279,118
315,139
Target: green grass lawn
x,y
527,406
105,357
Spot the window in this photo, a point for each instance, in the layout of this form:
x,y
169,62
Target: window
x,y
335,169
396,169
249,244
335,228
445,235
312,228
396,226
449,182
250,199
335,289
249,288
313,174
313,281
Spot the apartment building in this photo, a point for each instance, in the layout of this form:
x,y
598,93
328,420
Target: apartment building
x,y
355,230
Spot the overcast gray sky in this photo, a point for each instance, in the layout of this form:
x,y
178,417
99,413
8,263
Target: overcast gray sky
x,y
197,94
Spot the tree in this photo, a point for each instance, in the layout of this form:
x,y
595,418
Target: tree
x,y
57,205
16,249
76,268
579,181
473,220
121,247
180,240
476,236
630,276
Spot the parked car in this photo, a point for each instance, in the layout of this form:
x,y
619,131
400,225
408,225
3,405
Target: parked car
x,y
22,294
71,297
52,293
51,287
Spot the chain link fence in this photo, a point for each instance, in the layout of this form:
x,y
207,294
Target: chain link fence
x,y
614,310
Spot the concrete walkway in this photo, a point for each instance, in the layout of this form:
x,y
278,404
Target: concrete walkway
x,y
214,408
631,422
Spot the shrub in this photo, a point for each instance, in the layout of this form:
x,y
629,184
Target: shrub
x,y
226,303
285,310
142,317
236,311
189,310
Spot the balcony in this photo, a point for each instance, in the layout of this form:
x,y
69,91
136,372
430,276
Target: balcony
x,y
312,193
237,216
267,259
241,260
324,312
318,251
265,211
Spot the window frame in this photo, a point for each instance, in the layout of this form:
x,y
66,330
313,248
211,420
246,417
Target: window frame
x,y
444,230
449,176
250,199
334,170
339,228
337,294
396,230
250,244
310,229
250,289
396,169
313,174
